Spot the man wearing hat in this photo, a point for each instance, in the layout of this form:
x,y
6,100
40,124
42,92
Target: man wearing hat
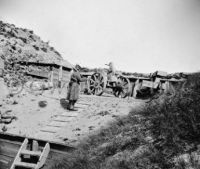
x,y
74,88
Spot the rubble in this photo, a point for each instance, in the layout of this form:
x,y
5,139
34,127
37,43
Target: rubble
x,y
18,44
6,117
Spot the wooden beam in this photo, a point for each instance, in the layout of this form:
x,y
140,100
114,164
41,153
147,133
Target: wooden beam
x,y
17,158
43,156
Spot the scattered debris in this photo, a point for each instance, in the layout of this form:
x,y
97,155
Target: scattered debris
x,y
4,128
42,103
6,118
65,139
115,116
103,113
77,129
15,102
91,127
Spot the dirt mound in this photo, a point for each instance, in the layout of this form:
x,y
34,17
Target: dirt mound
x,y
22,44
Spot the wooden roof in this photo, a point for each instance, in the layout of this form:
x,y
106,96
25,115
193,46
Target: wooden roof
x,y
63,63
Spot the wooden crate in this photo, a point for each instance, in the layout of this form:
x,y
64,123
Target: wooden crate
x,y
146,83
156,83
161,73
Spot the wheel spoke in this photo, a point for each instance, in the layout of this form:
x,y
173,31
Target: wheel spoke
x,y
95,78
92,90
96,90
98,77
102,82
91,80
125,86
125,83
100,88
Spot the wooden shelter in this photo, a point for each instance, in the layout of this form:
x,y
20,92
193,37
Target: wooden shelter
x,y
52,71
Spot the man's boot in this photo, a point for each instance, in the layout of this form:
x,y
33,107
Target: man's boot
x,y
73,103
69,107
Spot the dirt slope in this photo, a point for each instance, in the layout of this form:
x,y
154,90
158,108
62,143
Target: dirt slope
x,y
22,44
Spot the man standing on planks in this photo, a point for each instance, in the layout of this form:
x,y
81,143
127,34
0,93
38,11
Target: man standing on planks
x,y
74,88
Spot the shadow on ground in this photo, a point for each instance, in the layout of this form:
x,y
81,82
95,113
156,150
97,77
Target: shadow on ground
x,y
64,103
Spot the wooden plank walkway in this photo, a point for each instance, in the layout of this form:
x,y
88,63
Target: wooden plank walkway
x,y
59,121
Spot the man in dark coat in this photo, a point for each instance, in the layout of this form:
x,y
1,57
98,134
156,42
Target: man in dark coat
x,y
74,89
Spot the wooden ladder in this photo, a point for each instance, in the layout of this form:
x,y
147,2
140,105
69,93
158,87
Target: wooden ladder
x,y
35,152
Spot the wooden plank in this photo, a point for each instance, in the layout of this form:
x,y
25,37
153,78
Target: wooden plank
x,y
50,129
27,165
43,156
17,158
83,103
56,124
47,131
31,153
35,145
63,119
70,114
39,73
66,115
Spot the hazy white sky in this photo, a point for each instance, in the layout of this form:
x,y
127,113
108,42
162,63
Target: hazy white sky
x,y
137,35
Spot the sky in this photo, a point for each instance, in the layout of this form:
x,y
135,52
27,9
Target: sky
x,y
137,35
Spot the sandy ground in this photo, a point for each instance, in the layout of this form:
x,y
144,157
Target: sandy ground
x,y
54,122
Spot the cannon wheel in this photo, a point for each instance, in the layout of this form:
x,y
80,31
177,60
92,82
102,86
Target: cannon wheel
x,y
126,87
97,84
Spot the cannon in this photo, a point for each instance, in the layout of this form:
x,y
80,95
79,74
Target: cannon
x,y
135,85
99,81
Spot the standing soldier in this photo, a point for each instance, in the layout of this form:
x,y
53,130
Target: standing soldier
x,y
74,88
